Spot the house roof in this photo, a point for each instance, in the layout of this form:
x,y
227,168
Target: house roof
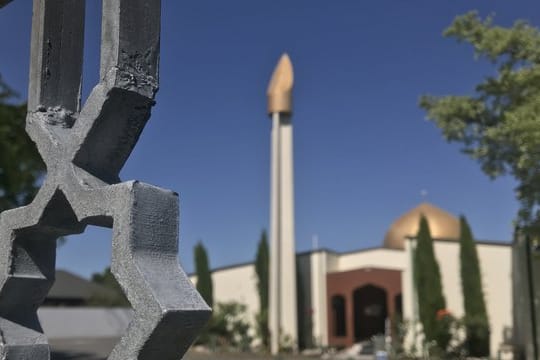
x,y
70,286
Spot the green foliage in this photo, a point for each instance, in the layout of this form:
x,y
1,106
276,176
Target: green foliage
x,y
262,269
476,319
401,329
204,277
431,301
399,332
117,297
228,329
20,164
499,125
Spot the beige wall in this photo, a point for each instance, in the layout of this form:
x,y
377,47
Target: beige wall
x,y
447,254
496,262
238,284
319,263
496,269
376,258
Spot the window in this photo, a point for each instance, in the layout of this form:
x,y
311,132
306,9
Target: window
x,y
338,308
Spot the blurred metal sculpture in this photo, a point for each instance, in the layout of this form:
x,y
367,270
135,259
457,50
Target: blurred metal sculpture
x,y
85,149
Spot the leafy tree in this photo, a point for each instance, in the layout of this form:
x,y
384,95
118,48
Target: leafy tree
x,y
20,164
499,125
204,278
229,327
117,297
262,270
431,301
476,319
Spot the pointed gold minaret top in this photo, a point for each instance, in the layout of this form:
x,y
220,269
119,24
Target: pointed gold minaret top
x,y
280,87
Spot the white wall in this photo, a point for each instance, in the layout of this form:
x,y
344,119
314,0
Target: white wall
x,y
237,284
319,263
496,265
496,269
447,254
410,310
332,261
375,258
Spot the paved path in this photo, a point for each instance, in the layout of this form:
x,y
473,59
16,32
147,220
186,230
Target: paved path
x,y
81,349
99,349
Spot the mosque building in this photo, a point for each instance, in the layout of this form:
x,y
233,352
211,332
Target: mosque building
x,y
344,298
323,298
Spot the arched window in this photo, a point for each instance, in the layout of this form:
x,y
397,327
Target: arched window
x,y
338,309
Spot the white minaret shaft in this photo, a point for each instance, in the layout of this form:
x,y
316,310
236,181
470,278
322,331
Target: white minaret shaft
x,y
283,306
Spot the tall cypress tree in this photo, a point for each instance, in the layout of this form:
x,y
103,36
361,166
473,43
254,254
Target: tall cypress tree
x,y
204,278
429,289
476,319
262,269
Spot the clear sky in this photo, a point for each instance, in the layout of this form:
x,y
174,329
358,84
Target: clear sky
x,y
363,150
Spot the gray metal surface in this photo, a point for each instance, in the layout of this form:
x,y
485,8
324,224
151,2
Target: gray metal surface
x,y
85,149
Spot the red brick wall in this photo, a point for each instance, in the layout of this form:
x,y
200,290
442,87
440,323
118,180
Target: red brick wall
x,y
345,283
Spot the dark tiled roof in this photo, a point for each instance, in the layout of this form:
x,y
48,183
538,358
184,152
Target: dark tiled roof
x,y
71,286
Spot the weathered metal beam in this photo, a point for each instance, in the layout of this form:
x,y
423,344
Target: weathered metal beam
x,y
84,150
56,54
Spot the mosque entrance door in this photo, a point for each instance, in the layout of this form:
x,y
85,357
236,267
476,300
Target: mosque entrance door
x,y
370,312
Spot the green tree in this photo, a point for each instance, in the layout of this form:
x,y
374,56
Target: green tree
x,y
229,328
115,298
431,301
476,319
262,261
499,125
202,270
20,164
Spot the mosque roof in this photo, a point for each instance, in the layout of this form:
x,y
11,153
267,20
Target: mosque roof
x,y
442,225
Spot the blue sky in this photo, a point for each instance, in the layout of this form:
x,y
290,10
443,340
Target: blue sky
x,y
363,150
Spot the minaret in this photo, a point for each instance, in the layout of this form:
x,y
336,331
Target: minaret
x,y
282,311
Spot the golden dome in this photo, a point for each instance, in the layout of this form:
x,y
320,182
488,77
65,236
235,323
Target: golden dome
x,y
442,225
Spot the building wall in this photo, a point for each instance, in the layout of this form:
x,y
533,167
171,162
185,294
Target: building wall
x,y
345,283
496,269
319,269
410,305
375,258
496,263
313,328
239,284
332,261
305,301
